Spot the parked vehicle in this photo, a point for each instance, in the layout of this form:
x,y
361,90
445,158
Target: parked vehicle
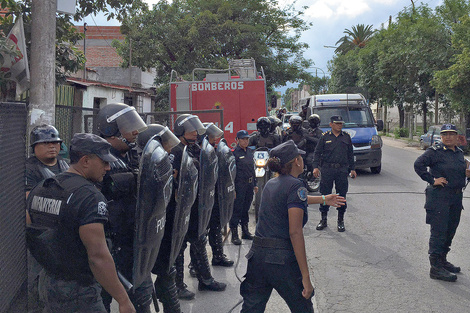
x,y
432,137
239,90
312,183
359,123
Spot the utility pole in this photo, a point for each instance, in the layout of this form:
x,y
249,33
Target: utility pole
x,y
84,49
43,36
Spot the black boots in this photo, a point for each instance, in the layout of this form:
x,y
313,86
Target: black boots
x,y
437,269
235,239
246,232
211,285
323,223
449,266
167,293
215,241
341,221
181,288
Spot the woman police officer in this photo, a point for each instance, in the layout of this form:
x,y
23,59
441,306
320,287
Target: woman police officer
x,y
446,178
277,258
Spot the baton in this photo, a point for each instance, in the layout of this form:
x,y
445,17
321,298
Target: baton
x,y
127,284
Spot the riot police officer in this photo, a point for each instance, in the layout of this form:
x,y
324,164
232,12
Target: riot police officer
x,y
165,286
277,258
263,137
446,178
45,162
119,124
187,128
66,214
296,132
334,155
275,126
312,137
245,185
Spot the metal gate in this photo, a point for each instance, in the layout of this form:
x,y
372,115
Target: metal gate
x,y
13,262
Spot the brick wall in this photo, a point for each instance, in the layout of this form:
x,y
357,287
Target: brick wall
x,y
99,51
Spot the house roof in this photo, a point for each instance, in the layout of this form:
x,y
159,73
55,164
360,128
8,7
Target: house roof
x,y
88,83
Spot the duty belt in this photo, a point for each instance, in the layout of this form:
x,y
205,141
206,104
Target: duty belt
x,y
334,165
275,243
242,180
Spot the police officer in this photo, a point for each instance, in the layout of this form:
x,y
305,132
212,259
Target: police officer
x,y
303,112
263,137
277,258
187,128
446,178
165,286
296,132
275,126
45,162
334,155
119,124
66,214
245,184
312,137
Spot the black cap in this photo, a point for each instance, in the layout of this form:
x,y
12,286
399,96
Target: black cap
x,y
92,144
242,134
336,119
448,128
286,152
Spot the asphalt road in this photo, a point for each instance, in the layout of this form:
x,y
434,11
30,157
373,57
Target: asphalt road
x,y
380,264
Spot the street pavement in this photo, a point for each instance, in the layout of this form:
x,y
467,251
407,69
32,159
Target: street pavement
x,y
380,264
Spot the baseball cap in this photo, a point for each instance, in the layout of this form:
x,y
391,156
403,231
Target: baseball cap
x,y
92,144
448,128
242,134
336,119
286,151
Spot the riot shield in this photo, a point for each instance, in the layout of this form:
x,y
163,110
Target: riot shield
x,y
155,184
225,182
207,178
185,197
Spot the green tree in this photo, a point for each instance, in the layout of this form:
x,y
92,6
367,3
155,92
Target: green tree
x,y
356,37
187,34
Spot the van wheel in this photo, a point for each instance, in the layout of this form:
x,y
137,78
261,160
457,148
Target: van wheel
x,y
376,169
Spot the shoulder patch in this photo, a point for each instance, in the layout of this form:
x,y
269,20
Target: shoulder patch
x,y
302,193
171,157
102,208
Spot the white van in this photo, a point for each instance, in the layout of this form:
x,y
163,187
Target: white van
x,y
359,123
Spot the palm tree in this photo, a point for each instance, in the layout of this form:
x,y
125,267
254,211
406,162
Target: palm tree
x,y
357,37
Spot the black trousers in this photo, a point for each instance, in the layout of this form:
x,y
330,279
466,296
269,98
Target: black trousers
x,y
338,177
443,210
270,269
242,203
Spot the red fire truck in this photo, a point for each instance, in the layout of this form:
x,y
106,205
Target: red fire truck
x,y
239,90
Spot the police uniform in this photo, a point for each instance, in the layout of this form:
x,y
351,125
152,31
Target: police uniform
x,y
271,259
335,156
443,204
67,284
245,181
119,188
270,141
312,136
37,171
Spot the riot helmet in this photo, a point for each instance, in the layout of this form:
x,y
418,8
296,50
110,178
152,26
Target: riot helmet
x,y
314,120
213,133
44,133
275,122
295,122
263,125
188,123
118,118
162,133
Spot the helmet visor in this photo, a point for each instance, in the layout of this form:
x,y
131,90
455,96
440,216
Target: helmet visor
x,y
168,139
213,131
128,120
193,123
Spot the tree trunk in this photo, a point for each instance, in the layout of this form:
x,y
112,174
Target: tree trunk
x,y
401,114
425,115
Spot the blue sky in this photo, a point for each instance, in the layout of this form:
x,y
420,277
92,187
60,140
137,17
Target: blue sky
x,y
329,18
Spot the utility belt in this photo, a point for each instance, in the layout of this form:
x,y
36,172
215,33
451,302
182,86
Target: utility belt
x,y
244,180
81,279
333,165
274,243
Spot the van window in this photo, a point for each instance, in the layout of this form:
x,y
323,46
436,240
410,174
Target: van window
x,y
353,117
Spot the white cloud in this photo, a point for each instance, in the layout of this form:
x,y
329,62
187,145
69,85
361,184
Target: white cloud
x,y
338,8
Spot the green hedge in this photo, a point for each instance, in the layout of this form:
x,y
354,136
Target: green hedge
x,y
401,132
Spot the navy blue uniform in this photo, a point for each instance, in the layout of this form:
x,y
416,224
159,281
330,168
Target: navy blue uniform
x,y
271,259
245,181
443,204
334,155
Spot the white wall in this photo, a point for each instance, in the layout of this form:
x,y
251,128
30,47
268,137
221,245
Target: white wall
x,y
112,95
